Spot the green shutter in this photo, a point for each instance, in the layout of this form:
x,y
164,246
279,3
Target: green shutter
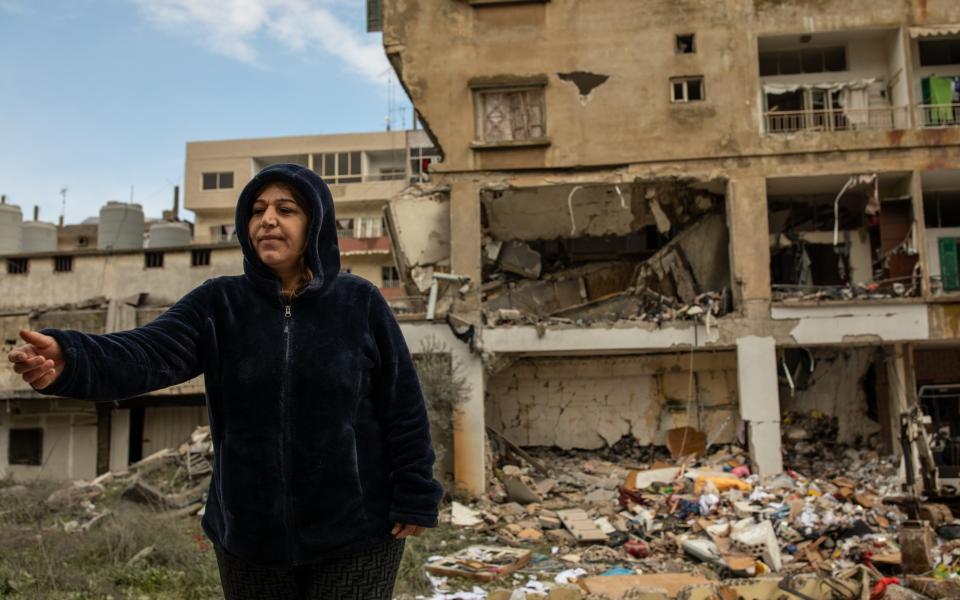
x,y
374,15
949,270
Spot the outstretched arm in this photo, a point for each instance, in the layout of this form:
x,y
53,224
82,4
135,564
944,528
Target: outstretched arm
x,y
119,365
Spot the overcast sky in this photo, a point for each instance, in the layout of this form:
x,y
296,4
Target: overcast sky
x,y
101,95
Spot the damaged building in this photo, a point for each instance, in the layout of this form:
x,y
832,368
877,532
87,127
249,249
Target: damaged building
x,y
745,215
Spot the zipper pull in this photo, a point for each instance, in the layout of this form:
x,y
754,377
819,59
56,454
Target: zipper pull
x,y
286,311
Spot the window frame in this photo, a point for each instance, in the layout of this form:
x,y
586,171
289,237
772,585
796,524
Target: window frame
x,y
823,50
948,42
365,224
63,260
218,183
420,158
152,264
693,43
200,257
336,176
394,278
18,266
481,87
686,89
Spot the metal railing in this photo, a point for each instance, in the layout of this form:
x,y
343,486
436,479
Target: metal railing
x,y
880,118
938,115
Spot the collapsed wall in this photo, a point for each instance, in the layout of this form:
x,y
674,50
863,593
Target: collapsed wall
x,y
840,384
590,402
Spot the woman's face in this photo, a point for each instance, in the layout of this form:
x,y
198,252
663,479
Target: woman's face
x,y
278,229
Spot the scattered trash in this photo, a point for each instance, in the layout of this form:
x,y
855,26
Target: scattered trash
x,y
619,522
482,563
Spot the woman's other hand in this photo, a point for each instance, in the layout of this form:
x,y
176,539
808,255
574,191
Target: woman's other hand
x,y
39,361
401,531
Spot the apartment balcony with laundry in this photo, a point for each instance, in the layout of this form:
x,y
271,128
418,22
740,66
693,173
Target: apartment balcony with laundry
x,y
836,81
936,66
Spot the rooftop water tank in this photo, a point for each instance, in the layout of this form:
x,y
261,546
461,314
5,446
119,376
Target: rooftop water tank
x,y
120,226
164,235
38,236
11,220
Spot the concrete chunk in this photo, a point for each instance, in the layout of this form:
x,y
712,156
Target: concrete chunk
x,y
517,257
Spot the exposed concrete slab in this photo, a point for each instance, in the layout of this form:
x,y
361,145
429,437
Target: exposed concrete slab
x,y
639,337
421,228
875,321
517,257
552,212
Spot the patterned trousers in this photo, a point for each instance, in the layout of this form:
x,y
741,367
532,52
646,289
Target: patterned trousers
x,y
367,574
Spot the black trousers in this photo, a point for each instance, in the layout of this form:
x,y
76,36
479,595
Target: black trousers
x,y
367,574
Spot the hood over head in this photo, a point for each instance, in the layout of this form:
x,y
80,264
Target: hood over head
x,y
322,251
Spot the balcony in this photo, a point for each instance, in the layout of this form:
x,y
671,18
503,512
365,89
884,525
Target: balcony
x,y
352,246
833,81
879,118
938,115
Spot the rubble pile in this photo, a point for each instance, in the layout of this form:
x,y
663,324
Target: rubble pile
x,y
171,480
605,525
651,253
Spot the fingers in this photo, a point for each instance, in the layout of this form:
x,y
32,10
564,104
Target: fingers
x,y
401,531
34,377
29,364
36,338
21,353
44,380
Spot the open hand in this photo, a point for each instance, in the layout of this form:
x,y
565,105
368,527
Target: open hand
x,y
401,531
39,361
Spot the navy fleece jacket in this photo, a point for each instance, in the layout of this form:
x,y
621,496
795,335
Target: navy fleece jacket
x,y
318,422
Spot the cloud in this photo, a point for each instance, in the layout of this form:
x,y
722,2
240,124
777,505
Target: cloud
x,y
13,6
233,28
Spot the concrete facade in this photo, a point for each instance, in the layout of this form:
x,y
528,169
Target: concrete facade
x,y
366,170
593,121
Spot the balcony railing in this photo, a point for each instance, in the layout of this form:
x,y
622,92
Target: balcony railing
x,y
938,115
880,118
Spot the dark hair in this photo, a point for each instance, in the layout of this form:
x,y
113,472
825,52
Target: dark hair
x,y
306,273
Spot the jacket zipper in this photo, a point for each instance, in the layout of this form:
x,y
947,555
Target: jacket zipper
x,y
285,459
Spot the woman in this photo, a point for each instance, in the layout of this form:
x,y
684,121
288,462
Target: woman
x,y
322,445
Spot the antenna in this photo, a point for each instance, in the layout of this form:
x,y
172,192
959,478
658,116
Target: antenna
x,y
395,113
63,204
